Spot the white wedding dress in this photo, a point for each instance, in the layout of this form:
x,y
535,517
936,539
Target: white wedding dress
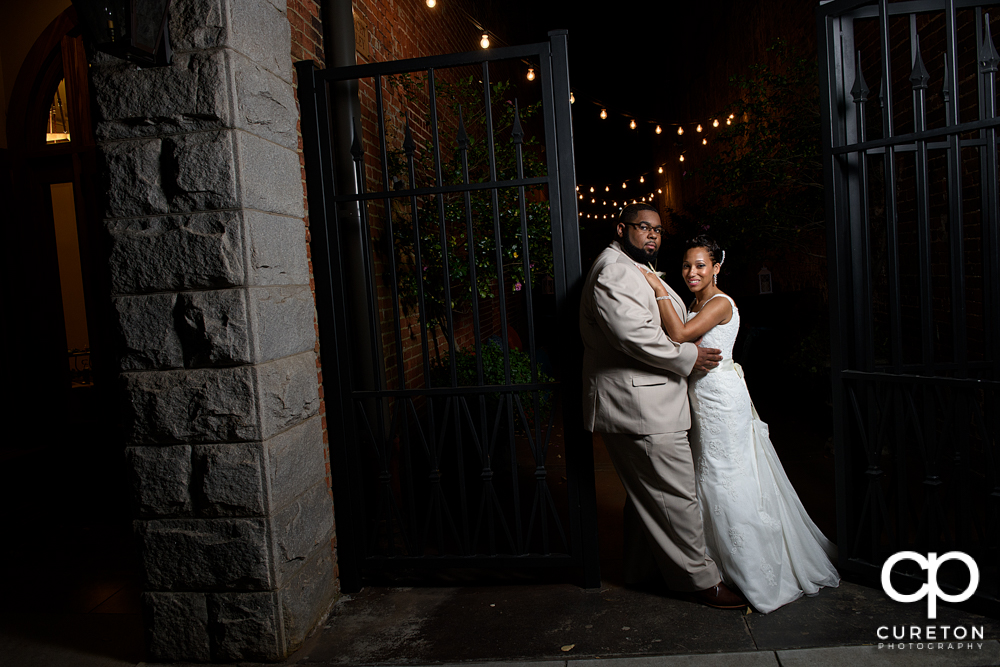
x,y
756,529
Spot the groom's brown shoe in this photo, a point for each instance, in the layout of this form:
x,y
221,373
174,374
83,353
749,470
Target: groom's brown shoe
x,y
720,597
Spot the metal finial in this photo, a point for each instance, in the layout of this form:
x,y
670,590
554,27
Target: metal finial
x,y
463,138
408,144
988,58
517,133
881,94
919,76
946,86
860,90
356,150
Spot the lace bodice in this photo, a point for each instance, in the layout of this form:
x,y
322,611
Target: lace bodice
x,y
721,336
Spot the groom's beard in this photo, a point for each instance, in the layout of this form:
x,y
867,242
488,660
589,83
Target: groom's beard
x,y
636,253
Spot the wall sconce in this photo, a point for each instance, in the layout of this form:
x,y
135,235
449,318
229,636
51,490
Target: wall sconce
x,y
764,276
135,30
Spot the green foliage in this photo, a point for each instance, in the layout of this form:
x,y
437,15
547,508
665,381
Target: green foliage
x,y
765,184
493,374
483,216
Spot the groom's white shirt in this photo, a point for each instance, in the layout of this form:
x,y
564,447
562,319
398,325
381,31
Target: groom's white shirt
x,y
634,376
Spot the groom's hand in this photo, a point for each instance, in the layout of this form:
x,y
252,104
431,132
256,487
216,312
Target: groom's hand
x,y
708,358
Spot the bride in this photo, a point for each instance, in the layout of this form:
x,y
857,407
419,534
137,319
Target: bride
x,y
756,529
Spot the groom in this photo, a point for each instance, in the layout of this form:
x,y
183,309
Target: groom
x,y
635,396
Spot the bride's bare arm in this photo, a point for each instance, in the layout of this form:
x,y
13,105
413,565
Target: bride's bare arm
x,y
715,312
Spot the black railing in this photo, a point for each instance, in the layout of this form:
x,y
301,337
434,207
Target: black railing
x,y
911,193
449,447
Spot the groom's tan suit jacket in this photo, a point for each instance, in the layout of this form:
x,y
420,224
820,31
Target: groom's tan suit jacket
x,y
634,376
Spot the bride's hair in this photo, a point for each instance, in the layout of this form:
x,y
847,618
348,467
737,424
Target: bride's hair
x,y
709,244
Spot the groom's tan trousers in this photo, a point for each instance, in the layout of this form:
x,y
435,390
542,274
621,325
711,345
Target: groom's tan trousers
x,y
657,472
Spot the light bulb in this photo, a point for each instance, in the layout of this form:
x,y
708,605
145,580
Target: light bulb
x,y
632,124
642,180
431,3
680,129
531,75
704,142
572,98
715,123
581,196
593,201
729,121
624,186
659,190
660,170
698,129
578,188
607,188
634,201
604,203
659,129
591,188
731,116
643,199
604,114
682,158
614,203
485,41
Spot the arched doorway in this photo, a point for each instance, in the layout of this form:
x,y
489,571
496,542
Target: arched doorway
x,y
53,250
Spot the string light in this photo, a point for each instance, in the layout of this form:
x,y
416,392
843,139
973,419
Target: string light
x,y
531,75
591,188
642,180
632,124
623,185
431,3
682,158
572,97
680,130
659,129
581,196
593,201
660,170
698,129
715,123
485,41
607,188
604,114
704,142
604,203
659,190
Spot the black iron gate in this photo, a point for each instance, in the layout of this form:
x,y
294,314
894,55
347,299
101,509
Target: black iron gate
x,y
450,446
910,154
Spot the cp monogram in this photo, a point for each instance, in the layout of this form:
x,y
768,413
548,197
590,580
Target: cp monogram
x,y
930,590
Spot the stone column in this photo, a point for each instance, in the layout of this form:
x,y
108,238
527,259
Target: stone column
x,y
204,212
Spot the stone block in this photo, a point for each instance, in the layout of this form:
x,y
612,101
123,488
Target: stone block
x,y
295,462
283,321
299,529
160,254
214,327
265,103
229,479
270,176
204,405
199,171
204,554
277,249
161,479
289,392
146,328
260,30
177,626
190,95
245,626
197,24
132,173
307,599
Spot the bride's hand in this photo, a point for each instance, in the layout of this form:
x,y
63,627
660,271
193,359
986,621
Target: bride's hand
x,y
653,280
